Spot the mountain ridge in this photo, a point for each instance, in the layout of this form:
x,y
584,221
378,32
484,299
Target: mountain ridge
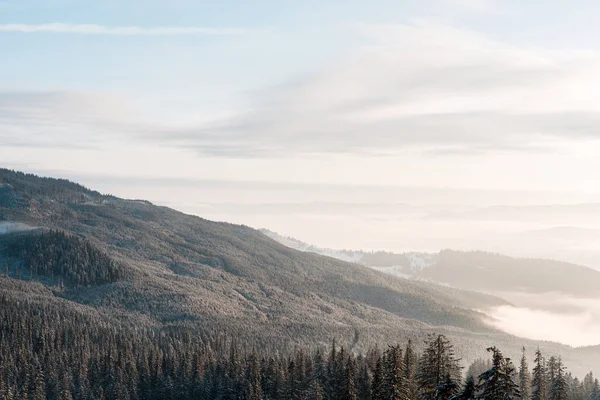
x,y
188,272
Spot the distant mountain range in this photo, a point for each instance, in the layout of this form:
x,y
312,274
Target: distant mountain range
x,y
137,264
470,270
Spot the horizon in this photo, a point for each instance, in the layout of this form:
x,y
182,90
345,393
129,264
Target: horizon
x,y
419,126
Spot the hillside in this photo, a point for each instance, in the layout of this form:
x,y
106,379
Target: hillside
x,y
473,270
154,267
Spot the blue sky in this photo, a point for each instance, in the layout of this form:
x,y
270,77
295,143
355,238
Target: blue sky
x,y
489,101
397,125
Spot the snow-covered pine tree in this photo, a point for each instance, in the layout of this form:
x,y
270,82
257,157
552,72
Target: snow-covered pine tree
x,y
468,391
497,383
410,370
538,382
436,364
550,374
559,389
349,380
595,392
394,380
377,392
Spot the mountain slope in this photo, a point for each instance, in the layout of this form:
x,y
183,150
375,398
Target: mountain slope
x,y
473,270
178,270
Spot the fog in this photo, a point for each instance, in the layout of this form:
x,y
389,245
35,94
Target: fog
x,y
577,325
9,227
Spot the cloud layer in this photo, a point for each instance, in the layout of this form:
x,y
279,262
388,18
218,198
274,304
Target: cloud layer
x,y
93,29
420,85
423,86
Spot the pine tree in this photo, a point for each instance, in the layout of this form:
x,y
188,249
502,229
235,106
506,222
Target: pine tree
x,y
394,379
468,391
497,382
410,370
377,387
64,391
595,392
349,382
524,378
437,367
559,389
448,388
550,375
253,381
364,382
38,386
539,385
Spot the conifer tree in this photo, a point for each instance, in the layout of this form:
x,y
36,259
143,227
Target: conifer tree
x,y
539,385
377,387
497,382
38,387
394,377
524,377
410,370
595,392
437,366
559,389
468,391
550,375
349,381
364,382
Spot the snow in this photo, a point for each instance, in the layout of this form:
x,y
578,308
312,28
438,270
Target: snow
x,y
421,261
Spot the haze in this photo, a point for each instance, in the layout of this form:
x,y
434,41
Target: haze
x,y
381,125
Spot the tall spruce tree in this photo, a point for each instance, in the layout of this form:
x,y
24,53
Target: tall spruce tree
x,y
438,366
595,391
497,382
394,379
550,375
524,377
468,391
377,386
410,370
349,382
539,387
559,389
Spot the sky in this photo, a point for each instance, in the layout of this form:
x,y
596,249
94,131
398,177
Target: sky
x,y
349,124
379,125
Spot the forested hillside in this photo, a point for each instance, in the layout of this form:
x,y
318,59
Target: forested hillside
x,y
105,286
62,353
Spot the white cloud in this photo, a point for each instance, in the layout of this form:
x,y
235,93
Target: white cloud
x,y
580,328
93,29
420,85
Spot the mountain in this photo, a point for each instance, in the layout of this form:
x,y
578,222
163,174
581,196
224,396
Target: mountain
x,y
473,270
139,265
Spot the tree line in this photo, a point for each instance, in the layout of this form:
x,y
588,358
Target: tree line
x,y
52,352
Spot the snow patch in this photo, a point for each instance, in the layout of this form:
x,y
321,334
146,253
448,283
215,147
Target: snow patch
x,y
421,261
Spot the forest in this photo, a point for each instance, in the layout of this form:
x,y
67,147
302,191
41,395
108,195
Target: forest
x,y
106,298
51,352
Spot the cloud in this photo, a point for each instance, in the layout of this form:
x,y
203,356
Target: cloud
x,y
576,328
66,119
93,29
420,86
